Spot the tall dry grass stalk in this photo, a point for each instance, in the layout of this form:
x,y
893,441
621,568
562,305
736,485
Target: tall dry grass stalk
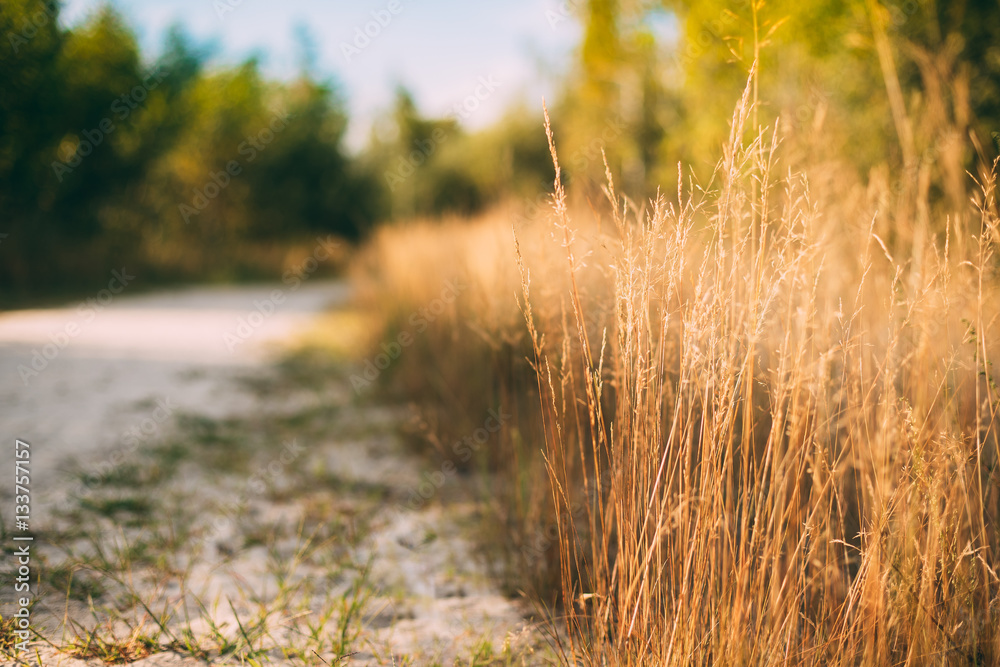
x,y
768,411
781,447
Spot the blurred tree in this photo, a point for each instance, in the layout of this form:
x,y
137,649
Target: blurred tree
x,y
887,86
511,158
815,66
32,116
60,159
259,160
408,159
597,100
105,157
431,167
102,87
619,103
824,70
306,181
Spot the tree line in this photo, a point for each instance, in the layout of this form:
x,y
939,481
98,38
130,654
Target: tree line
x,y
191,172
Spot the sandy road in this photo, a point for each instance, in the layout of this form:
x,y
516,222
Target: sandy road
x,y
79,385
75,380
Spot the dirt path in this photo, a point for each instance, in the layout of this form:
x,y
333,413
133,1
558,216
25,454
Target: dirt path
x,y
199,493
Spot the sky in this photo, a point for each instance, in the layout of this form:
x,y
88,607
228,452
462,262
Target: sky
x,y
443,51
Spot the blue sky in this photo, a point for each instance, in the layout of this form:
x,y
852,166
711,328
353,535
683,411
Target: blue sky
x,y
438,49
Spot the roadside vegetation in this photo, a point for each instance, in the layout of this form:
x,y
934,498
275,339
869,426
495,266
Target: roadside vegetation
x,y
754,415
757,423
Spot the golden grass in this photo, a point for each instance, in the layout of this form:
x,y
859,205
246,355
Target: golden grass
x,y
764,422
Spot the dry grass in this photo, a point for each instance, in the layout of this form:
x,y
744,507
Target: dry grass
x,y
8,637
764,426
114,650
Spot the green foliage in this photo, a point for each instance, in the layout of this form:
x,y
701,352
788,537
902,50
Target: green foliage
x,y
432,167
815,59
182,171
165,166
819,69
